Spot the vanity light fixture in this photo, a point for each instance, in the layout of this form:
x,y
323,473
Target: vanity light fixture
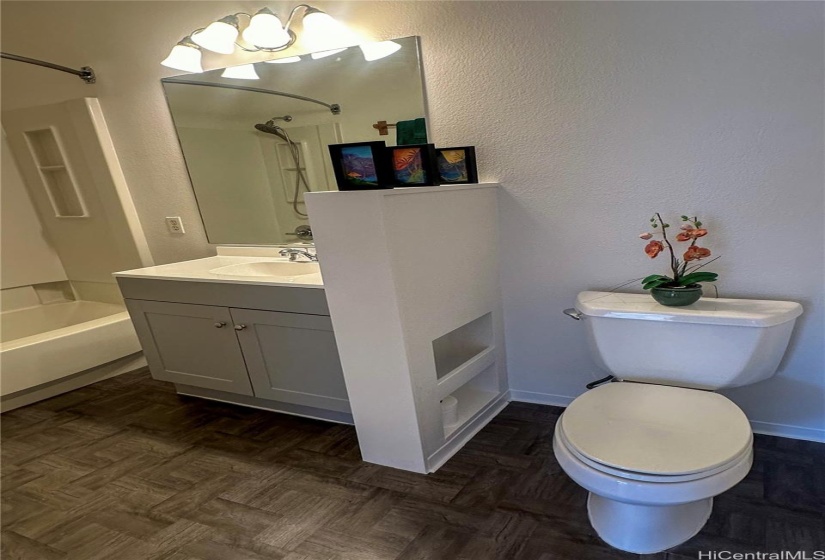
x,y
266,30
185,56
219,36
263,33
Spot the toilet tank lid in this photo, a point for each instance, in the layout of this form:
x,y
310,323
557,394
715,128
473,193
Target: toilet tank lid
x,y
708,310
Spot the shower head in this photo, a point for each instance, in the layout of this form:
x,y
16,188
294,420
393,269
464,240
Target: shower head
x,y
271,128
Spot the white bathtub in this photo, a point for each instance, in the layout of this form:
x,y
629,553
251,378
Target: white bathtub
x,y
50,349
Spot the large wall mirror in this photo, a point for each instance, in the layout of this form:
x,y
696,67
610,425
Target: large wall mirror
x,y
253,147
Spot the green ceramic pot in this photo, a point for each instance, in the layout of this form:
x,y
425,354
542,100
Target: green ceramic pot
x,y
677,297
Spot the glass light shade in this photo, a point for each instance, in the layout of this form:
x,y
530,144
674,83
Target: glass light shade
x,y
218,37
324,54
184,58
374,51
242,72
323,31
286,60
266,31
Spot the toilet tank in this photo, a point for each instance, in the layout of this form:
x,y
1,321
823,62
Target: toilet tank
x,y
712,344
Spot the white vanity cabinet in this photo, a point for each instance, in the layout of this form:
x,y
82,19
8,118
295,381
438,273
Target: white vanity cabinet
x,y
265,346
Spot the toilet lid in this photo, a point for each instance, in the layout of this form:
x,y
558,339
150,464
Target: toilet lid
x,y
656,429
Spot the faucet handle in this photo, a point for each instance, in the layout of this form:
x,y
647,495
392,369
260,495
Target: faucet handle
x,y
293,254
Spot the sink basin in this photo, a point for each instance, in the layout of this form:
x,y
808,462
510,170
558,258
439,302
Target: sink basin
x,y
268,268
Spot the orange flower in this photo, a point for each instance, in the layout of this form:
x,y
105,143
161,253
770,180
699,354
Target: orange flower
x,y
654,248
687,235
695,253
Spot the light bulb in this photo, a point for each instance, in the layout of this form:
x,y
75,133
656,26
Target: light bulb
x,y
219,36
242,72
374,51
184,56
324,54
322,31
266,31
286,60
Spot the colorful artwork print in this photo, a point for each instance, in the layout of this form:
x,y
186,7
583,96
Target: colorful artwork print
x,y
457,165
452,166
408,166
358,165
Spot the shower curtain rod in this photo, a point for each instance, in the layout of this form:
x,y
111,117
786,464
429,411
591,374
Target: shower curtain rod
x,y
334,108
85,73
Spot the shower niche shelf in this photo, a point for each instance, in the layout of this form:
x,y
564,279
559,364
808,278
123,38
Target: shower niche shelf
x,y
58,181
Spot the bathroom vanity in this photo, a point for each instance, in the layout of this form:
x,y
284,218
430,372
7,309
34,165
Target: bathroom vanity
x,y
410,285
251,330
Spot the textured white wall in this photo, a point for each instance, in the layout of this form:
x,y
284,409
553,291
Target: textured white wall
x,y
592,115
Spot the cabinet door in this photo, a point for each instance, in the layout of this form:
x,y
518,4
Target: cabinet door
x,y
190,344
292,358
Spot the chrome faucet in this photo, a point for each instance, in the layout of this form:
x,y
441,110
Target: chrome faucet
x,y
294,253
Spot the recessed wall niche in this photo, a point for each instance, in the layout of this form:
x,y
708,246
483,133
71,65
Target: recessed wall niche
x,y
57,179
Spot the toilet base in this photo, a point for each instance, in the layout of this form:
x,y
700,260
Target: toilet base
x,y
645,529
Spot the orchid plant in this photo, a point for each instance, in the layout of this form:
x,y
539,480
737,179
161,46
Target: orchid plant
x,y
683,273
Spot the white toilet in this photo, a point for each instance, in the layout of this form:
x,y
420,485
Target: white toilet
x,y
654,449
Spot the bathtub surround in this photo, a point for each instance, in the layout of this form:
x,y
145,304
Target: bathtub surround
x,y
603,106
23,240
67,328
71,170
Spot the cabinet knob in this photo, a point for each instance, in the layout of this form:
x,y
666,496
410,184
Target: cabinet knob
x,y
240,327
220,324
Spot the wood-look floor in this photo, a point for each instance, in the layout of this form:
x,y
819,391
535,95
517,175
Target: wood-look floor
x,y
126,469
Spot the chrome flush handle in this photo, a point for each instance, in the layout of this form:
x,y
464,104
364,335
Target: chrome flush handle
x,y
574,313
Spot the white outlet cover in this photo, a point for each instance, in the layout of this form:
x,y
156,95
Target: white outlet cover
x,y
175,225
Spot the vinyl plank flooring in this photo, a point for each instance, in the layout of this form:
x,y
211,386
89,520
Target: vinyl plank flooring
x,y
128,469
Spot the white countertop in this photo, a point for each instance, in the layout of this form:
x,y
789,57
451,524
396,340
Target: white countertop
x,y
199,270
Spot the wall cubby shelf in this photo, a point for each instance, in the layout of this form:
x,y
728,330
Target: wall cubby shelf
x,y
414,323
58,181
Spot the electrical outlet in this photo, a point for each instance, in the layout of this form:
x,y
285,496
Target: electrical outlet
x,y
175,225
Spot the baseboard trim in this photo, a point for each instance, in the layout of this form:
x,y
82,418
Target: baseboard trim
x,y
759,427
539,398
786,431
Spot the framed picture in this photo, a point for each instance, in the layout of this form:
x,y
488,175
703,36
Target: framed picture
x,y
361,166
457,165
414,165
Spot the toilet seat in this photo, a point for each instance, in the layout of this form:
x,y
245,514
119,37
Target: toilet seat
x,y
648,477
655,433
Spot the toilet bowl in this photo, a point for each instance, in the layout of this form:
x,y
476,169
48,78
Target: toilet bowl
x,y
656,447
652,476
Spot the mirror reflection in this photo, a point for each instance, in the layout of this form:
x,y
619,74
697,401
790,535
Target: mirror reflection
x,y
256,142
